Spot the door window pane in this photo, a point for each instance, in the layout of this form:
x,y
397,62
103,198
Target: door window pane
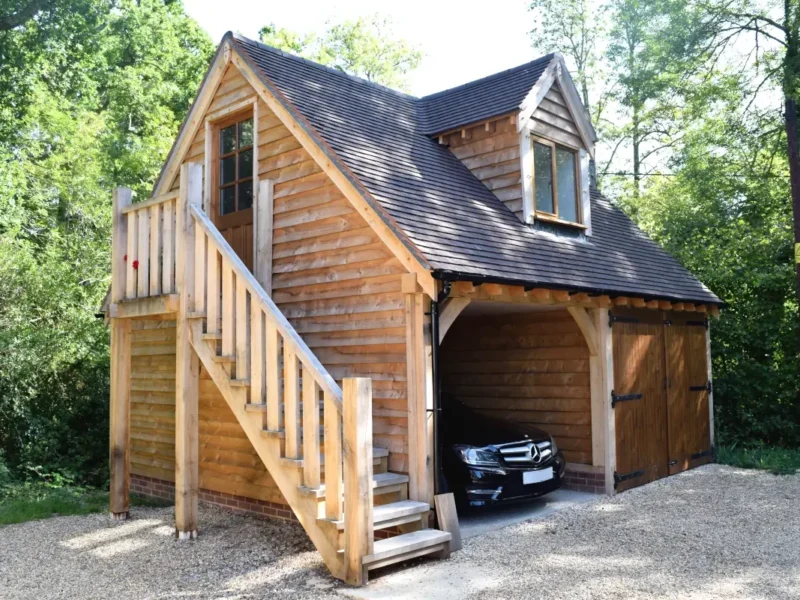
x,y
227,140
543,177
227,200
567,188
246,133
227,170
245,164
245,195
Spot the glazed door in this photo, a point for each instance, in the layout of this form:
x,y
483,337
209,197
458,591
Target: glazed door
x,y
639,403
689,428
232,189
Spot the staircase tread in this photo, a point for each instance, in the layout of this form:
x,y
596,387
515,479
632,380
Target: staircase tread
x,y
240,382
407,542
224,358
379,480
386,513
212,336
281,433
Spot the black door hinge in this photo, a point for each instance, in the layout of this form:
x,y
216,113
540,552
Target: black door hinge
x,y
709,452
632,475
699,388
624,398
703,323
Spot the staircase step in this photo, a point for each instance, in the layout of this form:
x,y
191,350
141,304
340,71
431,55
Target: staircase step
x,y
240,382
406,546
224,358
396,513
212,337
379,480
255,407
195,315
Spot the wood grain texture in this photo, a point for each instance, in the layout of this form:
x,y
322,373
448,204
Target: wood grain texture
x,y
530,368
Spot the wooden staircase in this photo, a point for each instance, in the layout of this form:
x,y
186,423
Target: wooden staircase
x,y
314,437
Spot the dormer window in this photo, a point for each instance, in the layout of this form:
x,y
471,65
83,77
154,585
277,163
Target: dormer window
x,y
555,182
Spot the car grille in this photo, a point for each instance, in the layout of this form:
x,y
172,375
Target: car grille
x,y
526,452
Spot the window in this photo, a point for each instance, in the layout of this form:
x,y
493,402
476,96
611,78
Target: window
x,y
555,177
235,167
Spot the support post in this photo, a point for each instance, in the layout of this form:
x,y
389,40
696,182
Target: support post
x,y
416,384
187,362
602,382
263,234
357,451
711,390
120,400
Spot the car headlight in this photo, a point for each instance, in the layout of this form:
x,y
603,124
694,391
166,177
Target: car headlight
x,y
477,456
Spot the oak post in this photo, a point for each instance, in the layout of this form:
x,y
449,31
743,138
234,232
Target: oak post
x,y
602,380
263,235
357,450
119,409
187,362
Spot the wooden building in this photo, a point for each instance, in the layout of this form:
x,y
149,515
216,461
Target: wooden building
x,y
323,256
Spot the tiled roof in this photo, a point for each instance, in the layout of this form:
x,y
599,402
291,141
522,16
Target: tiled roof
x,y
380,139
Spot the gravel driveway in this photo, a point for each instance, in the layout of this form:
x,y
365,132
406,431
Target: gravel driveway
x,y
715,532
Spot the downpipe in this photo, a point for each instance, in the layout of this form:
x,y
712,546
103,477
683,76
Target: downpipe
x,y
439,481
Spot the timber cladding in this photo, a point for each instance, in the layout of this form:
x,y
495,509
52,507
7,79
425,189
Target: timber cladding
x,y
332,277
529,368
227,462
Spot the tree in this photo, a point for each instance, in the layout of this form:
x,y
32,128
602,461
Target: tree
x,y
365,47
574,28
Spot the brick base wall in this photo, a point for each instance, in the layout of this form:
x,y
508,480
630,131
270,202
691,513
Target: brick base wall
x,y
584,478
165,490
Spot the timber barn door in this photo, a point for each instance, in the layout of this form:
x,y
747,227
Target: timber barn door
x,y
660,398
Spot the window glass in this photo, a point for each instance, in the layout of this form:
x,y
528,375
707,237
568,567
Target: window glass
x,y
236,167
227,140
246,133
227,170
543,177
567,190
227,200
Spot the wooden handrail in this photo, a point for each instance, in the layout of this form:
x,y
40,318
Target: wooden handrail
x,y
302,351
173,195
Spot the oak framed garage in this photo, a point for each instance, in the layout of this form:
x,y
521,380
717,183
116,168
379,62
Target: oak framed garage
x,y
287,357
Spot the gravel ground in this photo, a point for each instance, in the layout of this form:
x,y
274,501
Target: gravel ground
x,y
715,532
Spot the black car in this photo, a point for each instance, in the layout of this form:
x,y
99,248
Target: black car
x,y
488,461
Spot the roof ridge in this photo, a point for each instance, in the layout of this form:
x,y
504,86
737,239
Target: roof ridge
x,y
545,58
274,50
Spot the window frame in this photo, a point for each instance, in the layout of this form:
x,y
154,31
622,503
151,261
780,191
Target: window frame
x,y
237,217
554,217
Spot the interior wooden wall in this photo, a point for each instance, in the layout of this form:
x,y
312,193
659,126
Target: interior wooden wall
x,y
228,462
528,368
491,152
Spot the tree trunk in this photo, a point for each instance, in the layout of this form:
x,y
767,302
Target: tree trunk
x,y
794,176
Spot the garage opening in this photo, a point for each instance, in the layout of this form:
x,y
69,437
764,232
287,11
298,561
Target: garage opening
x,y
527,368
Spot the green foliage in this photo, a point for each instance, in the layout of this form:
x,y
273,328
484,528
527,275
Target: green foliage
x,y
365,47
93,94
780,461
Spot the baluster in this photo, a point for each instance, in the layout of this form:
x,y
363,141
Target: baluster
x,y
310,431
143,255
167,248
333,459
212,302
199,269
256,353
130,272
242,319
155,250
291,406
227,309
273,357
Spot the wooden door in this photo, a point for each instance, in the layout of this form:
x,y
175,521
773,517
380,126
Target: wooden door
x,y
639,403
232,191
688,419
